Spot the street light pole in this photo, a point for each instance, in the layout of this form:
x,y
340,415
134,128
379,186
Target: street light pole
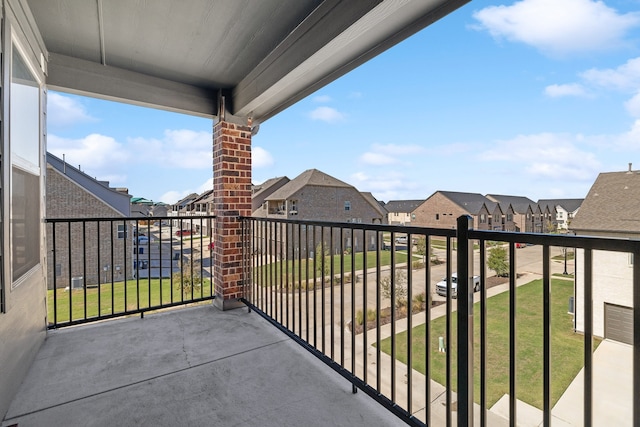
x,y
565,261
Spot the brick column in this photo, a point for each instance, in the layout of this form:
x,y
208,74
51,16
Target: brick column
x,y
232,198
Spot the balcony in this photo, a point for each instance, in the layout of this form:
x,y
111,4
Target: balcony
x,y
312,346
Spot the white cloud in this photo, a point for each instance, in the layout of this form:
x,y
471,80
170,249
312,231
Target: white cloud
x,y
63,111
183,149
206,186
327,114
559,27
627,141
322,98
633,106
546,155
388,154
377,159
260,157
390,185
96,152
625,77
573,89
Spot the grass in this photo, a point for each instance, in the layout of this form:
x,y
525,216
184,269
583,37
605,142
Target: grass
x,y
295,269
142,294
566,346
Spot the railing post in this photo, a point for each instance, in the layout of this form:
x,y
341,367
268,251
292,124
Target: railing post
x,y
465,322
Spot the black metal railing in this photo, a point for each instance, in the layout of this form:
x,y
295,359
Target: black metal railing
x,y
362,298
101,268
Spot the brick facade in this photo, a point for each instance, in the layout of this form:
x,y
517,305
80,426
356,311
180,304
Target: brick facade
x,y
232,199
66,199
439,212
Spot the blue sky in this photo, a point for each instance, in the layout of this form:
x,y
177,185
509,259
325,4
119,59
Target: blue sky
x,y
531,98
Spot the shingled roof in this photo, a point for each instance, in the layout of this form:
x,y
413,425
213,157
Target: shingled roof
x,y
518,203
404,206
612,204
470,202
569,205
312,177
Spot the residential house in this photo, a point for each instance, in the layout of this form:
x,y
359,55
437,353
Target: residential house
x,y
313,195
141,207
73,194
442,209
160,210
201,206
611,209
515,208
262,191
401,211
565,210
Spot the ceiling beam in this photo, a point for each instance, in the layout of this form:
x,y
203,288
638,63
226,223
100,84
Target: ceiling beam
x,y
82,77
365,32
330,19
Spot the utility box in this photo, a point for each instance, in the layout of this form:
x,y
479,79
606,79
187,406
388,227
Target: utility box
x,y
77,282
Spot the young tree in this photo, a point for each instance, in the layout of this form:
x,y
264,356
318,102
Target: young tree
x,y
400,285
321,255
497,261
188,280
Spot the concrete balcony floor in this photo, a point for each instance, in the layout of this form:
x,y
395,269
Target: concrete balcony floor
x,y
192,366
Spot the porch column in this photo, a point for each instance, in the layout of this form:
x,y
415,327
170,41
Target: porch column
x,y
232,199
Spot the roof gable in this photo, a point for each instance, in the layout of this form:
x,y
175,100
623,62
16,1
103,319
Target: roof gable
x,y
404,206
612,204
470,202
312,177
520,204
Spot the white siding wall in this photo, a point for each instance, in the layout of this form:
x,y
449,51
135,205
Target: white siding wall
x,y
612,278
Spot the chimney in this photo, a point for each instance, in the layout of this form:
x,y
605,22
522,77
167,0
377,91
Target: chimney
x,y
630,164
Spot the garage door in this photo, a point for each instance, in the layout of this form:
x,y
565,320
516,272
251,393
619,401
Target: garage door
x,y
618,323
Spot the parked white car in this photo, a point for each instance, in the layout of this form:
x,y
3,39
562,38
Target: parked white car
x,y
441,286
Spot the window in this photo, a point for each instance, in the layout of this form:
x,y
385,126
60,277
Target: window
x,y
437,217
122,232
509,217
24,138
483,218
631,259
347,205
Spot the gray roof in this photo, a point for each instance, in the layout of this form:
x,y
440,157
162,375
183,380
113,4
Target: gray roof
x,y
404,206
470,202
118,200
268,185
519,204
569,205
612,204
261,55
185,200
312,177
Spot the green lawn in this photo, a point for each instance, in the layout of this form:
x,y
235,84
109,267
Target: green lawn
x,y
566,346
295,269
137,296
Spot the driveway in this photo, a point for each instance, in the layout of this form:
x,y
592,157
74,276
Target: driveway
x,y
612,389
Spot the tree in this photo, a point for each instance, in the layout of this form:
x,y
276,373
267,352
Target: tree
x,y
400,285
188,280
321,255
498,262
